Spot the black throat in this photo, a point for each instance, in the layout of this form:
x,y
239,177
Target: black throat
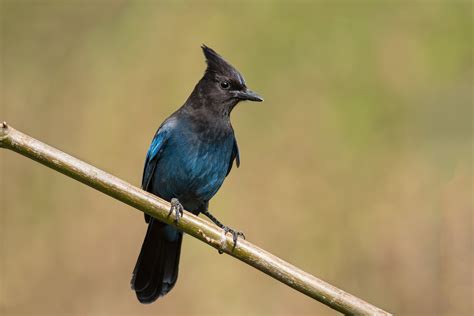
x,y
209,101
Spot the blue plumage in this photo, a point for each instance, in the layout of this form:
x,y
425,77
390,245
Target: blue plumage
x,y
184,163
189,157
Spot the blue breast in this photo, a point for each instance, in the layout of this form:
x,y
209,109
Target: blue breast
x,y
192,167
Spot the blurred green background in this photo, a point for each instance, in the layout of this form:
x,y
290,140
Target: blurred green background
x,y
356,168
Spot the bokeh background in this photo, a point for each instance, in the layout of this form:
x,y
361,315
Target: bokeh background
x,y
356,168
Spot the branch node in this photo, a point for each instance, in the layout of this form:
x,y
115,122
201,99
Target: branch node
x,y
3,133
208,239
223,241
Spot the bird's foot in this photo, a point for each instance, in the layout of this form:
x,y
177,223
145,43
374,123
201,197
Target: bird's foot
x,y
177,208
235,236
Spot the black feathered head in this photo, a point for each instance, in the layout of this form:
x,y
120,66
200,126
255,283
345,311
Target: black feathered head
x,y
223,82
217,65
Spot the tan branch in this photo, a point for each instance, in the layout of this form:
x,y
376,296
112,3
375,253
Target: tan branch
x,y
190,224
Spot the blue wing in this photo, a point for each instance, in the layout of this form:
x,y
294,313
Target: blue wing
x,y
234,156
153,155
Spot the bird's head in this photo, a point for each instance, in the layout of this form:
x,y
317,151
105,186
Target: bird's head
x,y
222,85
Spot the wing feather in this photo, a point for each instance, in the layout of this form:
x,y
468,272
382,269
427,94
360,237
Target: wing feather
x,y
153,155
234,156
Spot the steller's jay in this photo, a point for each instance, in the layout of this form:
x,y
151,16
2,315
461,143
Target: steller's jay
x,y
189,157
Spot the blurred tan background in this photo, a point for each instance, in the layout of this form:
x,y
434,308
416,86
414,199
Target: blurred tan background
x,y
356,168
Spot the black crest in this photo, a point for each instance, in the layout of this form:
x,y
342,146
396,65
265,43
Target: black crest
x,y
216,64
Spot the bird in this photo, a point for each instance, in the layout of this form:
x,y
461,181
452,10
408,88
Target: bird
x,y
190,155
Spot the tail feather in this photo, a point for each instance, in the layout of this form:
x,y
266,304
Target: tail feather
x,y
156,271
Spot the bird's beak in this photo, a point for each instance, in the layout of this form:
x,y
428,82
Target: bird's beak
x,y
249,95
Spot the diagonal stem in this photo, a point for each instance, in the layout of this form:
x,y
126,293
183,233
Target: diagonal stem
x,y
245,251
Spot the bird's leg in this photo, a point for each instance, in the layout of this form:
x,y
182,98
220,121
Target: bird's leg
x,y
177,208
235,234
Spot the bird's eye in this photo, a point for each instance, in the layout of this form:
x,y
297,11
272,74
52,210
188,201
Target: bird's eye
x,y
225,85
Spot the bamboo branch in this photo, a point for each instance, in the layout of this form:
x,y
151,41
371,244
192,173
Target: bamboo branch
x,y
189,223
